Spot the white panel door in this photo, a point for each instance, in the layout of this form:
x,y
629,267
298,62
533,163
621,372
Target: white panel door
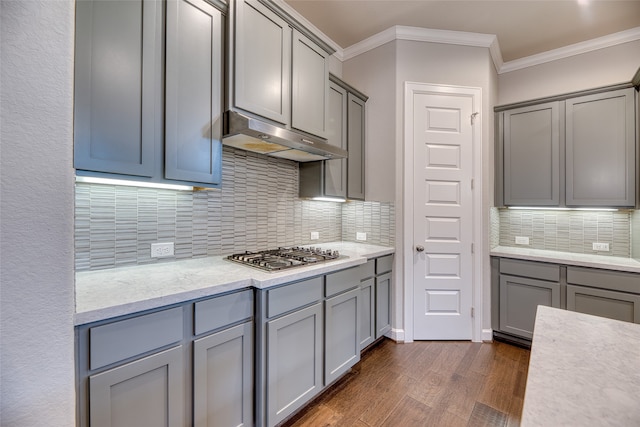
x,y
443,222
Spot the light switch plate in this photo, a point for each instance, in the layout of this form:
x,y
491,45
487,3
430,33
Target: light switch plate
x,y
597,246
159,250
361,236
315,235
522,240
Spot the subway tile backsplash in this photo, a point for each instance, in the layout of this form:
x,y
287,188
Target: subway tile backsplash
x,y
567,231
256,208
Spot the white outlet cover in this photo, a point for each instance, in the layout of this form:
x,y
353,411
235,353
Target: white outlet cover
x,y
522,240
159,250
315,235
597,246
361,236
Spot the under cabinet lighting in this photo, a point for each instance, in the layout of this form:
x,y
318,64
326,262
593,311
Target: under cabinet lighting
x,y
541,208
109,181
329,199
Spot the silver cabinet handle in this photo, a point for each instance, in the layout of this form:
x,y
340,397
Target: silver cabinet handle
x,y
420,248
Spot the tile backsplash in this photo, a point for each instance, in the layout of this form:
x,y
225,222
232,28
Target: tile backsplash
x,y
635,235
256,208
565,231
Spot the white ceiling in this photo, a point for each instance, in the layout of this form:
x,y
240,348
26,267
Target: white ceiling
x,y
523,27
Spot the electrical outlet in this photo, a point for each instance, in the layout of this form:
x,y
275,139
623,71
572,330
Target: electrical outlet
x,y
159,250
315,235
604,247
522,240
361,236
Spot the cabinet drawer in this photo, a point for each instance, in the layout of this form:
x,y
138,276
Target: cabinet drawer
x,y
368,269
607,279
117,341
341,281
224,310
287,298
384,264
535,270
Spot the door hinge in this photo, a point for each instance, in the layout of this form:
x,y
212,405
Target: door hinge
x,y
473,312
472,248
472,183
473,117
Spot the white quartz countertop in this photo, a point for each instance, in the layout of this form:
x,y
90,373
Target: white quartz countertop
x,y
584,371
582,260
104,294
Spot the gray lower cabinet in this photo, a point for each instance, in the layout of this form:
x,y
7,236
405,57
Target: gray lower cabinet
x,y
294,361
604,303
138,371
223,378
519,301
383,294
147,392
126,126
601,149
367,312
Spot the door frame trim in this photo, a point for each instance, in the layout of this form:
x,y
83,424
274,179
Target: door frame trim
x,y
411,89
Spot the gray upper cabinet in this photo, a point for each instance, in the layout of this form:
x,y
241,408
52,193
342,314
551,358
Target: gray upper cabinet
x,y
601,144
262,54
575,151
121,127
310,86
532,155
340,178
117,70
279,72
193,117
355,145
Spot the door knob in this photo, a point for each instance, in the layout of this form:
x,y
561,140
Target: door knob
x,y
420,248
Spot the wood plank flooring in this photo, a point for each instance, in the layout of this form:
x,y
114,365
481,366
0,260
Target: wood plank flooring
x,y
426,383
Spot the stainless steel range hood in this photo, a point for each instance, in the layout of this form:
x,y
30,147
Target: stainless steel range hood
x,y
254,135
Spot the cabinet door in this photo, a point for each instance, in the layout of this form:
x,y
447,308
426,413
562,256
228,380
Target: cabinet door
x,y
604,303
601,144
355,146
367,313
147,392
262,61
223,378
383,304
335,171
294,361
342,334
519,300
310,86
193,150
532,156
117,69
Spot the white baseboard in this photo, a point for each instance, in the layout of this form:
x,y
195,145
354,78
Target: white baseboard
x,y
487,335
397,335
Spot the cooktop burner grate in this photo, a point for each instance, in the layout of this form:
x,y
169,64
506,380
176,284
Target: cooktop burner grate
x,y
283,258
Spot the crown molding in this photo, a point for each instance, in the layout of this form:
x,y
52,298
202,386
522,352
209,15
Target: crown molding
x,y
426,35
610,40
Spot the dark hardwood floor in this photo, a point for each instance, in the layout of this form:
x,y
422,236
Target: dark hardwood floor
x,y
427,383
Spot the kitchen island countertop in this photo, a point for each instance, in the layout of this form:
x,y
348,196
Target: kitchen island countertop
x,y
581,260
104,294
583,371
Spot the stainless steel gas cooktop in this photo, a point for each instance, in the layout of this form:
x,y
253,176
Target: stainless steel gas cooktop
x,y
283,258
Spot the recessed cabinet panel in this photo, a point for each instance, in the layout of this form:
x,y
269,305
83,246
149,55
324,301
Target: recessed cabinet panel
x,y
193,119
383,304
116,71
310,86
519,300
532,156
601,144
367,313
263,57
335,171
342,332
604,303
355,146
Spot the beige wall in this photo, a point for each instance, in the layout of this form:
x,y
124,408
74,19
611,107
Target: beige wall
x,y
602,67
